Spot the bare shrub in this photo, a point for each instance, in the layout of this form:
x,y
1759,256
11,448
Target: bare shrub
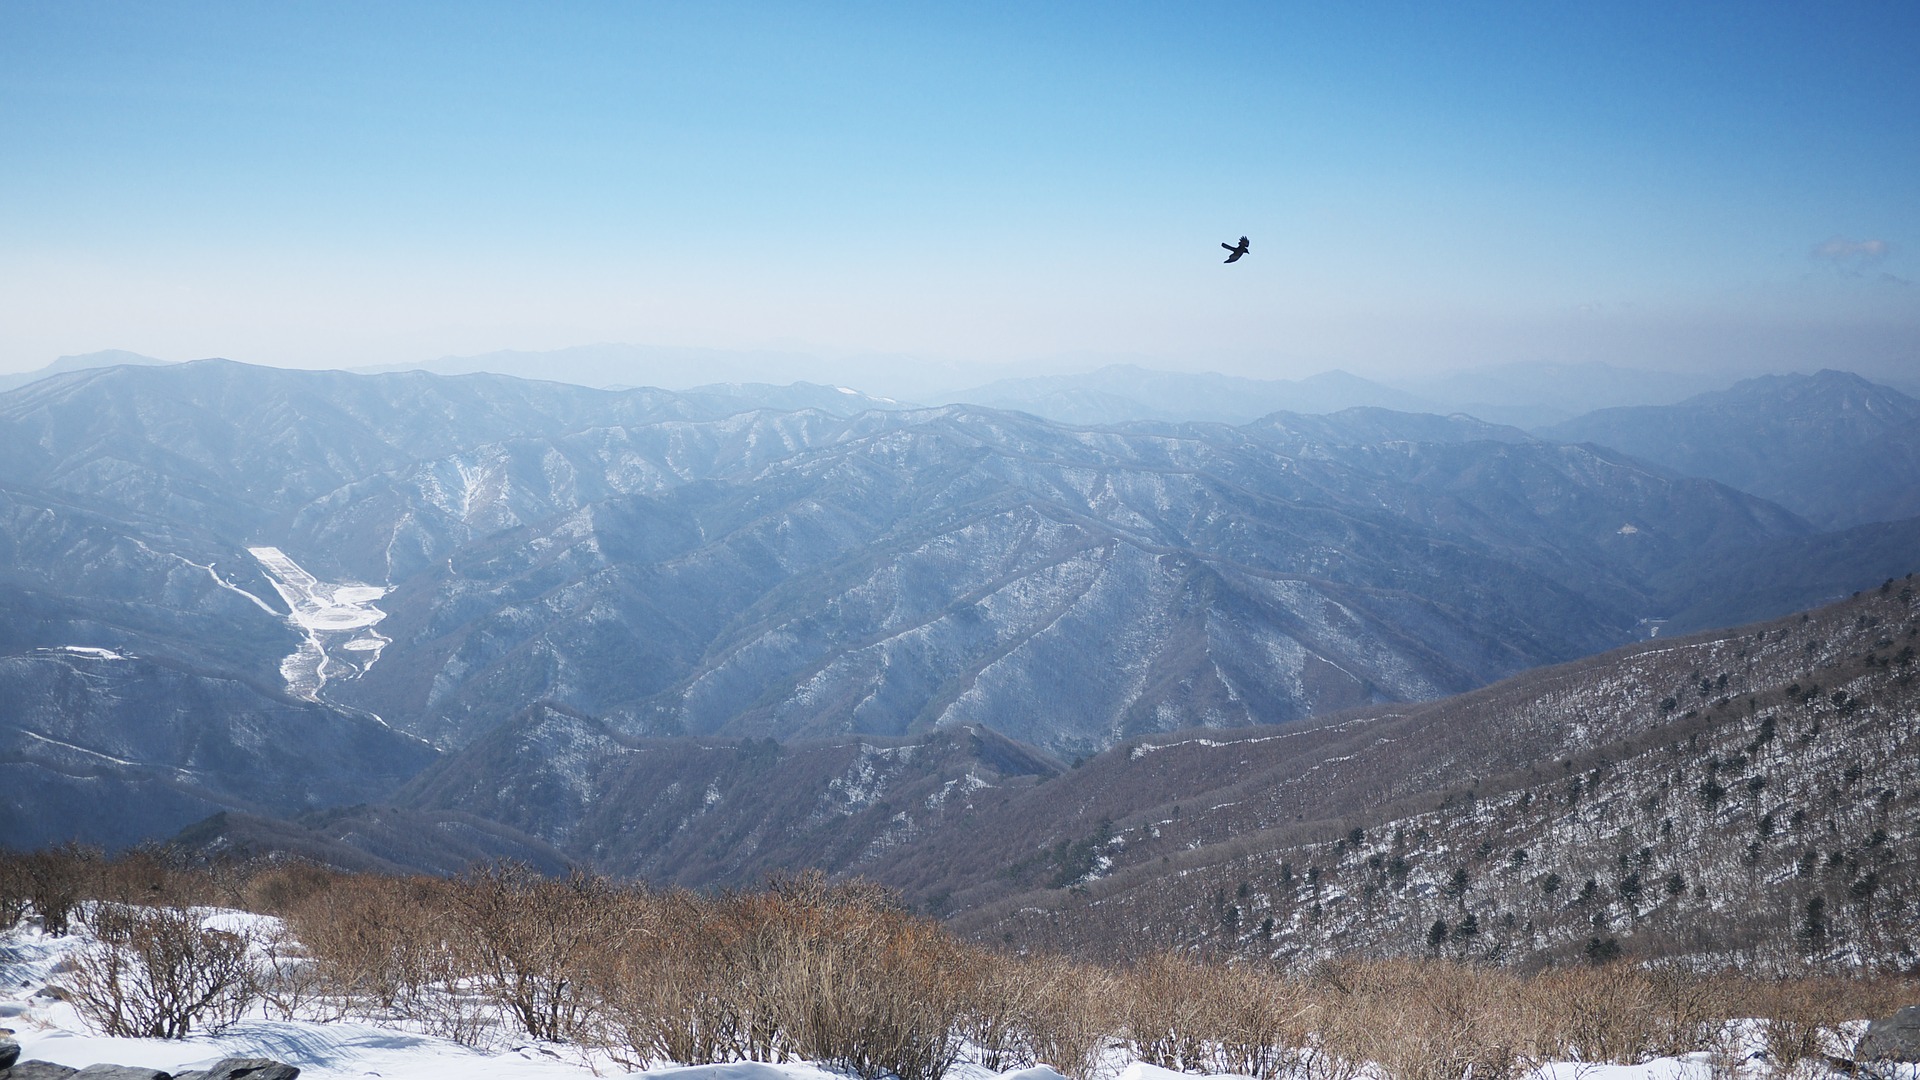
x,y
1000,993
1186,1015
1073,1020
1801,1021
828,973
391,948
1684,1006
1259,1023
528,937
291,983
1427,1021
280,887
839,974
1021,1012
647,990
1726,1050
1600,1014
871,992
57,881
1163,1012
160,973
15,900
355,931
1208,1017
152,876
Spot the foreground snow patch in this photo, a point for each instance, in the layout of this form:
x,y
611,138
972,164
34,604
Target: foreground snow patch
x,y
322,1051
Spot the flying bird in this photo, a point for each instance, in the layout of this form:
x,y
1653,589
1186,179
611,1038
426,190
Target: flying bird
x,y
1236,251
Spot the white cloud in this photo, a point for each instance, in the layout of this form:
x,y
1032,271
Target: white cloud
x,y
1851,256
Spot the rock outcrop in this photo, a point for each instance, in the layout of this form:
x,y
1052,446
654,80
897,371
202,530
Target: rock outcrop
x,y
1895,1038
226,1069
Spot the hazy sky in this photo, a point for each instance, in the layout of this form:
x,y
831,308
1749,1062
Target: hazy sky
x,y
1427,186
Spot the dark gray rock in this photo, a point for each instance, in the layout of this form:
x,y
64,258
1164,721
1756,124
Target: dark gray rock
x,y
9,1053
243,1069
120,1072
1895,1038
40,1070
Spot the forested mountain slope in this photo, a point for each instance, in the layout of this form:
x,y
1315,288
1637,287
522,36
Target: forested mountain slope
x,y
1750,795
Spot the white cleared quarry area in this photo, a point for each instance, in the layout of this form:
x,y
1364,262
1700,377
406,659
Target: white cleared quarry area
x,y
327,612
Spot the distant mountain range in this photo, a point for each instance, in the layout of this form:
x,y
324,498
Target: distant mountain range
x,y
1525,395
104,358
1832,447
754,563
616,365
1119,393
1532,395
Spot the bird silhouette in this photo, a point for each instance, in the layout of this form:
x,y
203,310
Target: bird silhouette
x,y
1236,251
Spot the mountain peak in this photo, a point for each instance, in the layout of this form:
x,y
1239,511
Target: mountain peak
x,y
105,358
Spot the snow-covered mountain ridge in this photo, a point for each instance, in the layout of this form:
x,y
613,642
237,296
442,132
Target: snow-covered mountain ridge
x,y
674,565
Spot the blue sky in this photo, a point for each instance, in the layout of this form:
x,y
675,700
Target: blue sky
x,y
1020,186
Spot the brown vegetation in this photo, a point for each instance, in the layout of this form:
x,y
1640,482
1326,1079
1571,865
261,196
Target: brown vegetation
x,y
838,973
158,972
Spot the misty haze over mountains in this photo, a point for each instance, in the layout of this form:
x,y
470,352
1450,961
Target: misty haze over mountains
x,y
1526,395
1522,394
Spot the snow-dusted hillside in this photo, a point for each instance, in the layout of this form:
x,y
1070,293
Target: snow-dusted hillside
x,y
1744,798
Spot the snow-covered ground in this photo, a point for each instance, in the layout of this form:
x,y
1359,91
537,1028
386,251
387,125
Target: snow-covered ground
x,y
51,1029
